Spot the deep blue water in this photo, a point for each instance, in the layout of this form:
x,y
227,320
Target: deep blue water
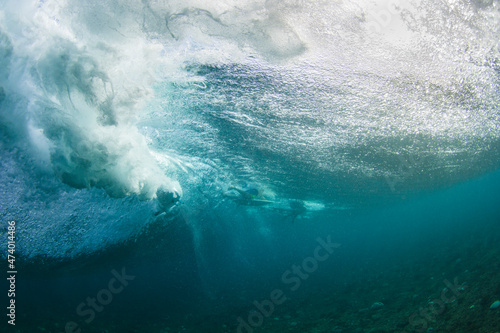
x,y
253,167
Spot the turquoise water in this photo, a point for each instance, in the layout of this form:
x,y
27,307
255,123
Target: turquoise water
x,y
252,167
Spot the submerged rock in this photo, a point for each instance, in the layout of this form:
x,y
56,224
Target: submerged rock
x,y
376,306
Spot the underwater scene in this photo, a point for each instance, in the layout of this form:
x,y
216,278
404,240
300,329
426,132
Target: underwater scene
x,y
324,166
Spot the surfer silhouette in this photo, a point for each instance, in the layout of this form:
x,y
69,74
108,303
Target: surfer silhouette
x,y
166,199
248,194
297,208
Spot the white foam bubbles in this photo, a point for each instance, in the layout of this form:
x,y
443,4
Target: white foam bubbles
x,y
83,90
